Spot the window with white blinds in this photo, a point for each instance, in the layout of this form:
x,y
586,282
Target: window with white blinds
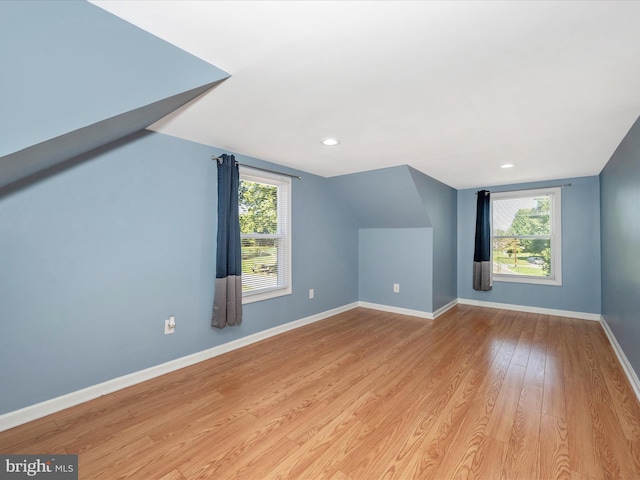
x,y
526,236
264,203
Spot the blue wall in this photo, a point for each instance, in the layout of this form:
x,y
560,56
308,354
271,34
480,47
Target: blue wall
x,y
397,255
95,257
440,202
580,290
620,219
383,198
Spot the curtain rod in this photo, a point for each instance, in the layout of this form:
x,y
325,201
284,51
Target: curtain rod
x,y
534,188
218,159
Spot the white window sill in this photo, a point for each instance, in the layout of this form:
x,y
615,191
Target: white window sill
x,y
555,282
265,295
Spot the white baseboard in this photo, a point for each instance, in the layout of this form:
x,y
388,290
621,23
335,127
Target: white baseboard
x,y
407,311
622,358
39,410
523,308
398,310
446,308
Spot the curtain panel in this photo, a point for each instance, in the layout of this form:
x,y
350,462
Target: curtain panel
x,y
227,303
482,253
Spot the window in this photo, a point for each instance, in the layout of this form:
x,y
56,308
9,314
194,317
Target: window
x,y
264,209
525,237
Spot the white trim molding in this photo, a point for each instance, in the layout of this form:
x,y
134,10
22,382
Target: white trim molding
x,y
398,310
446,308
595,317
42,409
622,358
408,311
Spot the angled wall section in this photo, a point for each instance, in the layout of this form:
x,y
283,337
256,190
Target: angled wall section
x,y
41,159
384,198
399,243
441,204
71,66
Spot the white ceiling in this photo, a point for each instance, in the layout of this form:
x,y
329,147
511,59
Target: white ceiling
x,y
454,89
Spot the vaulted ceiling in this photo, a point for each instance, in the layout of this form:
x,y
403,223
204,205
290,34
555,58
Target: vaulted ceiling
x,y
453,89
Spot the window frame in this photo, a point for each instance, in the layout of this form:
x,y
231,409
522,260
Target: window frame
x,y
555,236
283,183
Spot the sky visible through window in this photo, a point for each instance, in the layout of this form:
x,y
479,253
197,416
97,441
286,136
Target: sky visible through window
x,y
503,217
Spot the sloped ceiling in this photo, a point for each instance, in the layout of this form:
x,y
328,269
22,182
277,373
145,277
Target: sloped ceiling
x,y
38,159
384,198
453,89
76,77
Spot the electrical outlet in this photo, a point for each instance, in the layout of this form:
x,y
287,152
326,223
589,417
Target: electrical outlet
x,y
396,288
170,325
311,293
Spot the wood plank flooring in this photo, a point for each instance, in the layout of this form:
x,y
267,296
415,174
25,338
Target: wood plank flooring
x,y
366,395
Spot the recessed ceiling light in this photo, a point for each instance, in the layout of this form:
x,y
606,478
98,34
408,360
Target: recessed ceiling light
x,y
507,165
330,142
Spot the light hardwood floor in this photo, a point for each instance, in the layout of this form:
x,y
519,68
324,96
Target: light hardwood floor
x,y
367,395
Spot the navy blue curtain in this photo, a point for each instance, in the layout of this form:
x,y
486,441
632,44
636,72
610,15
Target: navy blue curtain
x,y
227,303
482,253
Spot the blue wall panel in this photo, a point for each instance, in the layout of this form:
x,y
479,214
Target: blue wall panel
x,y
620,214
397,255
383,198
440,203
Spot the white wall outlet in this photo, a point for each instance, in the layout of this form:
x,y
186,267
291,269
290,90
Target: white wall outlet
x,y
170,325
396,288
311,293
